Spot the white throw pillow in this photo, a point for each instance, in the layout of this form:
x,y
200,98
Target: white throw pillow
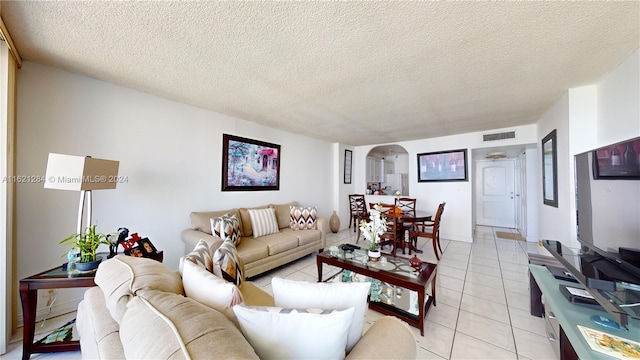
x,y
208,289
277,333
263,222
335,296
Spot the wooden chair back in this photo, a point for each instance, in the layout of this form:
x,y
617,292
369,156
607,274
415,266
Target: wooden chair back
x,y
429,230
406,204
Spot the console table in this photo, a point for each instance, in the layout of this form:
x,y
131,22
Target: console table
x,y
572,344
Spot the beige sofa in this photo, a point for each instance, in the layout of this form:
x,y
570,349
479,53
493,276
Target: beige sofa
x,y
138,311
266,252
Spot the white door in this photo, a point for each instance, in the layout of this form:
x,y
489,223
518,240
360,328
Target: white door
x,y
495,189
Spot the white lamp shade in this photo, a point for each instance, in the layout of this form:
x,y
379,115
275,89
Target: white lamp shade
x,y
76,173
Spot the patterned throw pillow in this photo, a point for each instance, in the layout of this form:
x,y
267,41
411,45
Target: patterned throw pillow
x,y
226,227
227,263
303,218
201,255
263,222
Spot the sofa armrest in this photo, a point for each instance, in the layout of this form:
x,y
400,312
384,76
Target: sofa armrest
x,y
323,226
375,344
191,237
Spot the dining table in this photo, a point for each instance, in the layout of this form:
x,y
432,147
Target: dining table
x,y
410,217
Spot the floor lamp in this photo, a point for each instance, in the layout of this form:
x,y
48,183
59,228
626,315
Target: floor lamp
x,y
81,173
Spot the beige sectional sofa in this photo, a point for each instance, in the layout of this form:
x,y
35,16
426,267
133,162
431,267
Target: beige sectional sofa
x,y
260,254
139,311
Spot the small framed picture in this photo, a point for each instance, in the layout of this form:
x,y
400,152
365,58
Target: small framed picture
x,y
135,252
146,247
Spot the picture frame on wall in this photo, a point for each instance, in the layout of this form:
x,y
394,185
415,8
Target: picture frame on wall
x,y
550,169
249,165
450,165
348,158
619,161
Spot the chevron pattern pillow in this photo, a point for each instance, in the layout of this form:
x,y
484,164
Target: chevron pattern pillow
x,y
227,263
227,227
303,217
201,255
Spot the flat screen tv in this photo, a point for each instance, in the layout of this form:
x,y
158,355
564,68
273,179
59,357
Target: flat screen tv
x,y
608,196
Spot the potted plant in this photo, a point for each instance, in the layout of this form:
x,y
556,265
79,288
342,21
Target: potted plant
x,y
88,243
371,230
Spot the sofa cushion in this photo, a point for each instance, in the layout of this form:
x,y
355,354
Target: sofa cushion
x,y
202,220
338,296
176,327
245,220
282,213
227,264
302,217
121,277
201,255
263,222
280,242
304,236
277,333
208,289
227,227
250,250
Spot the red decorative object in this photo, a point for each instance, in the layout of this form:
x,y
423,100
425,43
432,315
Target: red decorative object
x,y
131,242
415,262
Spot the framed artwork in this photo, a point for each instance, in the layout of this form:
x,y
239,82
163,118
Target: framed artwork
x,y
550,169
617,162
348,157
448,165
146,247
249,165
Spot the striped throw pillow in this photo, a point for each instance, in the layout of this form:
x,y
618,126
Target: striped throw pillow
x,y
263,222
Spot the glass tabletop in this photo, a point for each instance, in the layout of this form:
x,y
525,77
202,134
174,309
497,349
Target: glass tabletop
x,y
395,265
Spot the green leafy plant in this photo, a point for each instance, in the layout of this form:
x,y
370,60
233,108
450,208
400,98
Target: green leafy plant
x,y
87,242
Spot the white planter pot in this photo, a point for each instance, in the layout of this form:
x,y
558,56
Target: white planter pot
x,y
374,255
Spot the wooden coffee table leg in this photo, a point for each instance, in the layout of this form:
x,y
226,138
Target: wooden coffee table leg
x,y
319,269
433,289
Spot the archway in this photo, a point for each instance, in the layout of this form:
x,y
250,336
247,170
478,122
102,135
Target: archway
x,y
387,169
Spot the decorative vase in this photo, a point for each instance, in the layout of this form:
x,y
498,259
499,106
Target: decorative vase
x,y
88,266
415,262
374,255
334,222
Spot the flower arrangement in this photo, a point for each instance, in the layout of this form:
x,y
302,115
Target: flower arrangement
x,y
371,230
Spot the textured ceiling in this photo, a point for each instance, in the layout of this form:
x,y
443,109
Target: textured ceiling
x,y
351,72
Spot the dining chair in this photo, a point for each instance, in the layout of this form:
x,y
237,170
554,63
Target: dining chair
x,y
391,236
358,210
429,230
408,206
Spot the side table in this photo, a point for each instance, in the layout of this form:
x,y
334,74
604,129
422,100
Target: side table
x,y
55,278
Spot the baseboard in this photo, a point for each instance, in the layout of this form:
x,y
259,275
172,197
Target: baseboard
x,y
56,310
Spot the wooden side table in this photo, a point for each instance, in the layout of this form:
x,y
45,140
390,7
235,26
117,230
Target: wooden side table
x,y
55,278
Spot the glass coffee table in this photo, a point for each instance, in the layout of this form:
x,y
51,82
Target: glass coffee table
x,y
398,289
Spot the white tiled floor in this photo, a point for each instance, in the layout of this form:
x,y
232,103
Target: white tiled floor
x,y
483,300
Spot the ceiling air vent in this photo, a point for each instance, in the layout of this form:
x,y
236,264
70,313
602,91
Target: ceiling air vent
x,y
499,136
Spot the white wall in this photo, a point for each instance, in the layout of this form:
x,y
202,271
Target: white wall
x,y
616,101
457,223
170,152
